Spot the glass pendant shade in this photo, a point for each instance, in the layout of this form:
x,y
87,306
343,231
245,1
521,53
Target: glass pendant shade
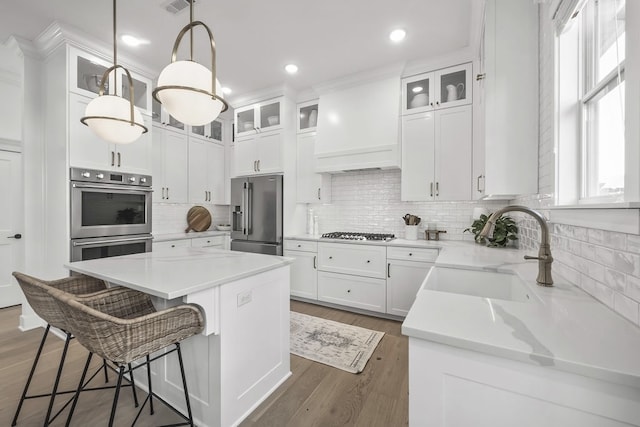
x,y
187,93
109,116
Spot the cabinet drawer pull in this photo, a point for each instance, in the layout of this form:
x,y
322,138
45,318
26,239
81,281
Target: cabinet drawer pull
x,y
299,246
410,254
315,265
330,257
173,246
480,76
348,291
368,261
388,269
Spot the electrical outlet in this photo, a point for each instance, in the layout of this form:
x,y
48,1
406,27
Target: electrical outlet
x,y
244,298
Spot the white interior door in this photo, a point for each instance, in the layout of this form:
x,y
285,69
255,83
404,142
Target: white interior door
x,y
11,222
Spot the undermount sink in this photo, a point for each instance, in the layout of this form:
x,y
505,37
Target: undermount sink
x,y
478,283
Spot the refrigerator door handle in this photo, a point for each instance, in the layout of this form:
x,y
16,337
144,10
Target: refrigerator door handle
x,y
249,212
244,207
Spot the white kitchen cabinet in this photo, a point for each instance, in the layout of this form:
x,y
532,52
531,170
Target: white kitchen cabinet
x,y
230,171
87,150
448,87
304,273
170,165
406,270
311,187
85,74
366,293
208,242
206,171
258,154
307,116
211,131
170,245
259,117
160,116
506,153
437,155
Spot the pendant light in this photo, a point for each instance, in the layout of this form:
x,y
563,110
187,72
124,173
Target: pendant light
x,y
189,91
112,117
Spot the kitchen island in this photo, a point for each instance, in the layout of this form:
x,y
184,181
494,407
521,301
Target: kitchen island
x,y
242,356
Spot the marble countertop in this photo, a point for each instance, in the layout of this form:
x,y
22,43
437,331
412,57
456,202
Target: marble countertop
x,y
563,328
191,235
181,272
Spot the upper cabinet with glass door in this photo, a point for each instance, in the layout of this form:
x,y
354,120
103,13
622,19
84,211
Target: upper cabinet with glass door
x,y
449,87
307,118
160,115
261,117
85,74
211,131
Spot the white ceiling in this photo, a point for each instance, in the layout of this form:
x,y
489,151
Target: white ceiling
x,y
255,39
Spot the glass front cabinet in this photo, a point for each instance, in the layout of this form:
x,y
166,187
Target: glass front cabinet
x,y
307,118
85,75
448,87
212,131
261,117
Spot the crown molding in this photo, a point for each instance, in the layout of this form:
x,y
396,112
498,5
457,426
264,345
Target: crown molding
x,y
57,35
22,47
460,56
357,79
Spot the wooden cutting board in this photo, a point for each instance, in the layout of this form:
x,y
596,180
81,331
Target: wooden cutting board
x,y
198,219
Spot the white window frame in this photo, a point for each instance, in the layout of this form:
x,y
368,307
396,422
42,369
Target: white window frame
x,y
569,118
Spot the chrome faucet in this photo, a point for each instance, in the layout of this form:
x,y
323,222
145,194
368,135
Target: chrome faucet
x,y
544,254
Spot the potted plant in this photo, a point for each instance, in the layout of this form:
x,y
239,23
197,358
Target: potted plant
x,y
504,231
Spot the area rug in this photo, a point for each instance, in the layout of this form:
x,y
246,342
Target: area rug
x,y
335,344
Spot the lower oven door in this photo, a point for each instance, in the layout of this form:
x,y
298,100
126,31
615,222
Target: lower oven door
x,y
104,247
109,210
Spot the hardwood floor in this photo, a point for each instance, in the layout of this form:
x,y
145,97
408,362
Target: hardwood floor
x,y
315,394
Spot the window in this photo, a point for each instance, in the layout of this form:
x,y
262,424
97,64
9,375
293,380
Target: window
x,y
591,85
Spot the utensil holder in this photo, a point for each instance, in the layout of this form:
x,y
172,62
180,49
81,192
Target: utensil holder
x,y
411,232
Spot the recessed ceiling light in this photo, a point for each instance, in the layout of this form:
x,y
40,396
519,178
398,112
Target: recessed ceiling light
x,y
417,89
133,41
397,35
291,68
226,90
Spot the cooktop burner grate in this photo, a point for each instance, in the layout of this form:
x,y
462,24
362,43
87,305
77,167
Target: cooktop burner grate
x,y
350,235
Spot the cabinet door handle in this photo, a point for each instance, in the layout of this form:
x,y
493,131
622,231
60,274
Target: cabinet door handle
x,y
437,102
315,265
113,158
162,193
431,189
258,165
119,158
319,194
206,195
431,103
480,76
437,188
167,193
255,168
388,269
330,257
478,183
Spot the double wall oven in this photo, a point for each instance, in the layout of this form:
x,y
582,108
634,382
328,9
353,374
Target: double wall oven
x,y
110,214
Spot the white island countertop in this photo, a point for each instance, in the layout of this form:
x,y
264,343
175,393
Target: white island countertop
x,y
563,328
177,274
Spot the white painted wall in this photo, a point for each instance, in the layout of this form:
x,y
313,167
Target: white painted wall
x,y
11,65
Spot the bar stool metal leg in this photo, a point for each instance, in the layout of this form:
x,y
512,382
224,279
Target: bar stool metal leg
x,y
184,384
133,386
33,369
149,382
80,385
106,375
115,397
57,381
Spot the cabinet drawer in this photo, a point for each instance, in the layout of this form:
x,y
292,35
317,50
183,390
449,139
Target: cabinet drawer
x,y
301,245
361,260
171,244
203,242
412,254
354,291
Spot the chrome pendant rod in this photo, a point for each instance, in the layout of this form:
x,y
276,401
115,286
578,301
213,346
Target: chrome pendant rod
x,y
191,31
115,52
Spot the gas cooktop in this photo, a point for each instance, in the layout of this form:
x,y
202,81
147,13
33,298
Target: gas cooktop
x,y
349,235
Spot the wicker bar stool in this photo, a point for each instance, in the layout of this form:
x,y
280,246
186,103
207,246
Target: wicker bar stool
x,y
37,294
110,327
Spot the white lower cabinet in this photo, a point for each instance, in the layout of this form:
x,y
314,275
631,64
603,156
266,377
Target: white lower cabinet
x,y
304,270
406,269
208,242
454,387
170,245
366,293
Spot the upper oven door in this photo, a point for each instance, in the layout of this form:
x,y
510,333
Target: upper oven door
x,y
100,210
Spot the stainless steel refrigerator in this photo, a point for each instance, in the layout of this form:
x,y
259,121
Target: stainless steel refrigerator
x,y
256,214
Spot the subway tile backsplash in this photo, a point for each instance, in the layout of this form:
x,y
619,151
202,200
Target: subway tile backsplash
x,y
172,217
369,201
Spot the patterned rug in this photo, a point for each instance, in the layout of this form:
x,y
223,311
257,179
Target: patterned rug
x,y
335,344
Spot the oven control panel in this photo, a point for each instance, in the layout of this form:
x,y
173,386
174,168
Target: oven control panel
x,y
109,177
